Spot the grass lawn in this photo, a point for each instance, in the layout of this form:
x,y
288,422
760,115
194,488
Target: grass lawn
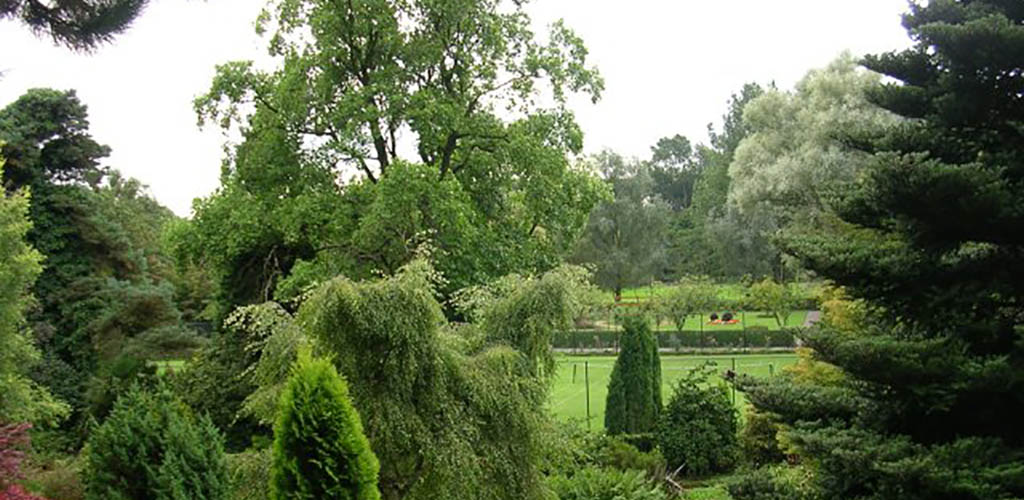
x,y
163,366
569,395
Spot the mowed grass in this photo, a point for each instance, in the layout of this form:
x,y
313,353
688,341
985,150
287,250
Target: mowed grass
x,y
172,364
569,394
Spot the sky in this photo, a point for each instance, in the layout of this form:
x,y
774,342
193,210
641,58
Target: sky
x,y
669,66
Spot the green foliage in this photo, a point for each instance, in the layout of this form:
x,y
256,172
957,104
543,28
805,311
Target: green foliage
x,y
758,439
777,298
697,431
320,451
249,473
21,399
691,296
931,372
82,26
793,160
605,484
634,390
152,447
217,382
488,193
105,279
774,483
406,367
625,236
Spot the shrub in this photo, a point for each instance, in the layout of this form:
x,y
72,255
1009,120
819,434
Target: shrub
x,y
14,440
614,452
697,430
758,440
320,450
634,391
774,483
593,483
152,447
249,474
61,479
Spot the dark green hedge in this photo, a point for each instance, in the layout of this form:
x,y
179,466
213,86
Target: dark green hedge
x,y
686,339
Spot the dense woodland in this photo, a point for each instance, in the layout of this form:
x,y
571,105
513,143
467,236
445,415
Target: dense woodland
x,y
366,307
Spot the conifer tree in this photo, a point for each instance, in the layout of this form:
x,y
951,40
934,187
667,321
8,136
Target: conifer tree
x,y
634,391
320,451
931,241
152,447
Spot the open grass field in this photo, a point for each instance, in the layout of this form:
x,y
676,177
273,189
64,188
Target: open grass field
x,y
569,395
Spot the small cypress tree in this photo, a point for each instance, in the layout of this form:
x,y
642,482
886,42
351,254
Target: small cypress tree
x,y
152,447
320,451
634,392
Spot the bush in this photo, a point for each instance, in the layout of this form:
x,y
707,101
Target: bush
x,y
615,452
774,483
320,450
592,483
249,474
14,440
634,391
758,440
697,430
152,447
61,479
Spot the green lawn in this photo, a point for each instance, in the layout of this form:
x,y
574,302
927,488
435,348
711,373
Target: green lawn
x,y
163,366
569,394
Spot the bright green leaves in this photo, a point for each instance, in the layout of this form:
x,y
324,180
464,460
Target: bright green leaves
x,y
320,451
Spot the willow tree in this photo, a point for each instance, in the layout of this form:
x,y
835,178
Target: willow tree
x,y
451,411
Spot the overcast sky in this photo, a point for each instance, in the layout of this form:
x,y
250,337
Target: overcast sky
x,y
669,66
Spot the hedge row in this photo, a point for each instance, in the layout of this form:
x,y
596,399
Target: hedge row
x,y
751,337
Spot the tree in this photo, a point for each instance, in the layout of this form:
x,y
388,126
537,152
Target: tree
x,y
709,239
690,296
933,376
634,390
794,158
77,25
777,299
625,236
106,280
697,429
451,411
497,190
320,450
675,168
151,446
21,399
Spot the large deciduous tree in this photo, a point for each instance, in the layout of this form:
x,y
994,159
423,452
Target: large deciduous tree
x,y
925,239
488,186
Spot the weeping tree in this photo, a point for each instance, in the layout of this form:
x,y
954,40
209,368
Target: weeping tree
x,y
320,450
451,411
634,391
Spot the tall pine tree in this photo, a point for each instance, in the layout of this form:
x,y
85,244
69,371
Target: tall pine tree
x,y
634,391
931,240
